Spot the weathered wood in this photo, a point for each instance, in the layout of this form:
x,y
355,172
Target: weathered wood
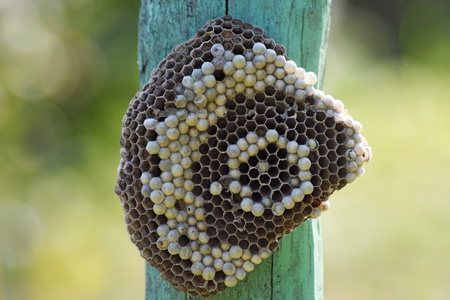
x,y
294,271
164,24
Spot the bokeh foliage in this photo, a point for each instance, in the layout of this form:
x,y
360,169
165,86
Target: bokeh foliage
x,y
67,72
386,235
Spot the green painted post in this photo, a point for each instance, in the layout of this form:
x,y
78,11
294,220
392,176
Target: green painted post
x,y
295,270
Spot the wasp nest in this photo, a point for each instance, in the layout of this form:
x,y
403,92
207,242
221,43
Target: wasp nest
x,y
225,150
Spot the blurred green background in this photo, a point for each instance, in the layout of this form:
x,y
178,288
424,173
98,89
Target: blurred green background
x,y
67,72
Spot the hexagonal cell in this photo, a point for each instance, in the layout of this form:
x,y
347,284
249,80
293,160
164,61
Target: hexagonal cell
x,y
218,212
275,183
324,174
134,214
324,162
231,229
199,282
320,138
228,217
261,232
263,243
278,220
177,270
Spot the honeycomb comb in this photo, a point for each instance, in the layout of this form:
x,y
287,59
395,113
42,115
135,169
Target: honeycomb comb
x,y
224,151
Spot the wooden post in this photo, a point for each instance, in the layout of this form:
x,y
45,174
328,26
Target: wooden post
x,y
294,271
